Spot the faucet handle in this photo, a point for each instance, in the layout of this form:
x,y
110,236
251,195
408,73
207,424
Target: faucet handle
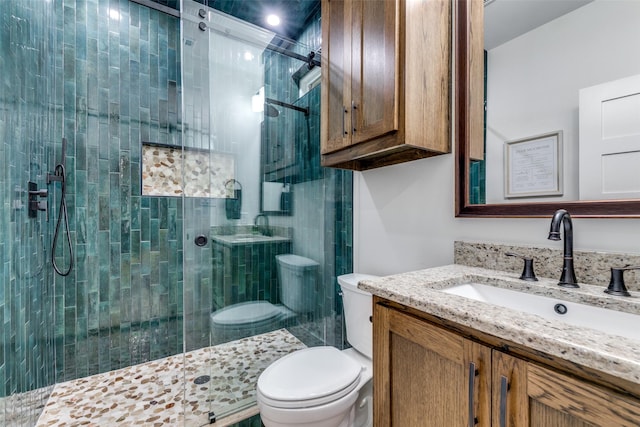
x,y
616,284
527,271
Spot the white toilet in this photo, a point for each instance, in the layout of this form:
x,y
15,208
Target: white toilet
x,y
323,386
297,278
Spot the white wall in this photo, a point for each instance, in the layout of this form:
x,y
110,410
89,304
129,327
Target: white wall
x,y
404,220
533,81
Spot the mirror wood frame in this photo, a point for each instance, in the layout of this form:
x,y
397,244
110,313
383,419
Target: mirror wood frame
x,y
467,25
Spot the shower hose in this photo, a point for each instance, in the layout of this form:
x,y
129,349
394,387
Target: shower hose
x,y
62,212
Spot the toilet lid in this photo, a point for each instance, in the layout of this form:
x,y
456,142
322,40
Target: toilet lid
x,y
254,311
309,377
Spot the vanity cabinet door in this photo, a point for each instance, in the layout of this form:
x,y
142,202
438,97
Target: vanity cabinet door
x,y
427,376
540,397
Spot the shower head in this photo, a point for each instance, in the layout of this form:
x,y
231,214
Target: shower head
x,y
270,110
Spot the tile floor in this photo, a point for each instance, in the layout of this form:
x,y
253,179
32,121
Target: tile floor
x,y
152,394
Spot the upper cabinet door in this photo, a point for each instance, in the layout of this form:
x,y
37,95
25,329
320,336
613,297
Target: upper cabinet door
x,y
386,81
360,42
336,78
374,68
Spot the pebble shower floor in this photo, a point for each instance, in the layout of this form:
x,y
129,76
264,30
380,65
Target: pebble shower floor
x,y
153,393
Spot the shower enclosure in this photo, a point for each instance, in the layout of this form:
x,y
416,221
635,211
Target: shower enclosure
x,y
192,161
251,105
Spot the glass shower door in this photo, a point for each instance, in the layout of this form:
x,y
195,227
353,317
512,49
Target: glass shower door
x,y
223,72
254,195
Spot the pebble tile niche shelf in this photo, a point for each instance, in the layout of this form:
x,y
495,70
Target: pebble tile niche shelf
x,y
170,171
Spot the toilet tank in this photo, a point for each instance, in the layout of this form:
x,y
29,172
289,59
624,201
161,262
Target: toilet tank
x,y
357,312
298,278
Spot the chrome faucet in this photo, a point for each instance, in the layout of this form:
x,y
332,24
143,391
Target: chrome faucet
x,y
262,229
568,277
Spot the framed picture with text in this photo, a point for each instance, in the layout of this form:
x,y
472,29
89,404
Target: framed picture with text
x,y
533,166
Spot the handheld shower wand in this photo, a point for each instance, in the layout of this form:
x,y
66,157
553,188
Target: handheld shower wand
x,y
60,175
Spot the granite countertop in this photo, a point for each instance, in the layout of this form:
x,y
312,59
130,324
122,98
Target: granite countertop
x,y
422,290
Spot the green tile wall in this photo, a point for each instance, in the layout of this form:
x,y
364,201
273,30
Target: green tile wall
x,y
104,74
27,120
118,76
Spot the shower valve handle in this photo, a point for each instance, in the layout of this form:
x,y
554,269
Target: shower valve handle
x,y
35,206
43,192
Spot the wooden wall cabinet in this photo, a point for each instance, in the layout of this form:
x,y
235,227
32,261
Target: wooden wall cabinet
x,y
426,375
386,81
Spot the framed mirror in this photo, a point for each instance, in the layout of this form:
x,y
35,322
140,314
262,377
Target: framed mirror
x,y
574,71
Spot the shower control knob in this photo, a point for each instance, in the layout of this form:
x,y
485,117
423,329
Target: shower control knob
x,y
202,26
201,240
202,13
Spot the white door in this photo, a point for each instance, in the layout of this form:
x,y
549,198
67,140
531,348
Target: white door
x,y
610,140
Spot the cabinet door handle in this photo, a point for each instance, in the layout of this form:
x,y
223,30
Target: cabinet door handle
x,y
504,388
472,385
344,128
353,116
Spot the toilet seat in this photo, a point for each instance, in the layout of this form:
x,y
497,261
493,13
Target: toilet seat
x,y
309,377
246,313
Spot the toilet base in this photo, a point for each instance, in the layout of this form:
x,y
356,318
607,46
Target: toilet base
x,y
352,410
358,413
310,417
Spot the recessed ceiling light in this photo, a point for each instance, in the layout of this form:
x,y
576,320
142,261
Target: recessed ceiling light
x,y
273,20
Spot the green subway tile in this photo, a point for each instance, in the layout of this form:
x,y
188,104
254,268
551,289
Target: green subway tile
x,y
104,210
70,323
82,300
80,253
135,246
125,306
104,318
145,231
114,294
135,212
155,268
145,258
103,249
114,261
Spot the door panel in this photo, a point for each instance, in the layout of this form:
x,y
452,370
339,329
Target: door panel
x,y
610,140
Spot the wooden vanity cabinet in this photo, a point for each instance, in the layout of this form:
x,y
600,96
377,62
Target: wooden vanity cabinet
x,y
386,81
426,375
532,395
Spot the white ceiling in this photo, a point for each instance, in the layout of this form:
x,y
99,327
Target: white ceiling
x,y
507,19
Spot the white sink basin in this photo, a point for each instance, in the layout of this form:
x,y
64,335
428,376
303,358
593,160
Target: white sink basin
x,y
610,321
